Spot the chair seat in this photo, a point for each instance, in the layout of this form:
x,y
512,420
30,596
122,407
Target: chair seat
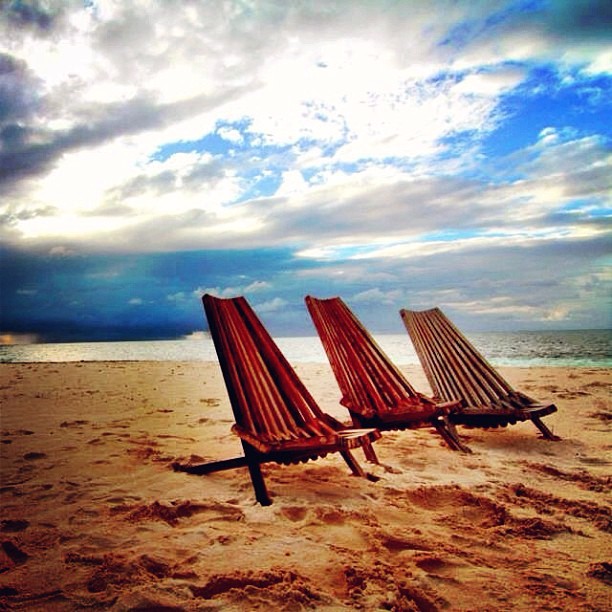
x,y
523,413
344,439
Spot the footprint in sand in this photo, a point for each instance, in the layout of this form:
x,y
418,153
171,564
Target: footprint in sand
x,y
601,415
295,513
273,590
15,554
122,498
593,461
173,512
210,401
330,516
602,571
436,566
171,437
546,504
580,478
597,385
33,456
77,423
570,395
397,544
13,525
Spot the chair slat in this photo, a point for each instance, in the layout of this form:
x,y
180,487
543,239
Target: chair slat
x,y
251,380
465,350
436,368
296,398
366,376
455,368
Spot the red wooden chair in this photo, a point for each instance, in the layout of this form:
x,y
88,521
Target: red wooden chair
x,y
457,371
276,418
373,389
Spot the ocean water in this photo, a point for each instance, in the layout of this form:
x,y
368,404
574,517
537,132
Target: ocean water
x,y
591,348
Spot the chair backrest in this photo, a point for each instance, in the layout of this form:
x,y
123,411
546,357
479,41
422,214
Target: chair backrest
x,y
267,397
454,367
370,383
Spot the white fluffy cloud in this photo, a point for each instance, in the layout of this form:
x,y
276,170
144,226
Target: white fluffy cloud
x,y
339,85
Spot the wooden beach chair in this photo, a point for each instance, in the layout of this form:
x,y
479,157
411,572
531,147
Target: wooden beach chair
x,y
457,371
277,420
373,389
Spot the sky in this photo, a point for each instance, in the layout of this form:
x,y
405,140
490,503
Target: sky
x,y
399,154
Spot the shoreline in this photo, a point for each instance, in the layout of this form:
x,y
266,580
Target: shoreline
x,y
93,515
502,349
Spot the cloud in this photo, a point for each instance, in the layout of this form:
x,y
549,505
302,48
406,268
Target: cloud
x,y
180,296
386,152
272,305
228,292
568,33
581,20
61,251
377,296
32,13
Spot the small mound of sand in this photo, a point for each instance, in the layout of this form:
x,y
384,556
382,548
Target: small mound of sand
x,y
174,511
602,571
275,589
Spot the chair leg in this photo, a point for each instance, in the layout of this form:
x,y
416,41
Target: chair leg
x,y
370,453
352,463
368,448
449,433
548,435
210,467
453,430
259,484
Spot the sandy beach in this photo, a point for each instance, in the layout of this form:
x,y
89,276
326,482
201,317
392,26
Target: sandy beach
x,y
94,516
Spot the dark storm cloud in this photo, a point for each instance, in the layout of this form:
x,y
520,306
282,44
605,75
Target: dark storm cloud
x,y
16,98
18,103
34,14
27,150
580,19
63,295
31,150
566,27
